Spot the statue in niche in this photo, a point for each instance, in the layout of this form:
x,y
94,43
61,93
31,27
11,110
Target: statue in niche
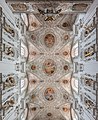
x,y
89,104
49,67
9,29
49,94
10,81
9,51
8,104
19,7
33,53
49,40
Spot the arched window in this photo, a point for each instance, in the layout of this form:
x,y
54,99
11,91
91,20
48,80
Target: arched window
x,y
24,18
75,50
75,84
24,114
24,51
74,115
24,83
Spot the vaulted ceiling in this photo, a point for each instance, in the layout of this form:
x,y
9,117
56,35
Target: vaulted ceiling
x,y
49,66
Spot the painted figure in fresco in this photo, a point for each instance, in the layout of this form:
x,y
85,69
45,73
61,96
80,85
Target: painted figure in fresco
x,y
49,94
88,103
49,67
49,40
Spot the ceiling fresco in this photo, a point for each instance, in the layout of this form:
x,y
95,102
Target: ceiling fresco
x,y
49,71
49,65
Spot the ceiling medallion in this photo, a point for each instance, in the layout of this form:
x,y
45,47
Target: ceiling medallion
x,y
19,7
33,38
34,24
66,67
49,40
33,81
65,97
49,94
33,109
66,24
49,114
66,37
66,109
49,66
33,67
33,53
65,53
65,81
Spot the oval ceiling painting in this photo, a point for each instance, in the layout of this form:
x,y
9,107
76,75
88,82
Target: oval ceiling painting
x,y
49,66
49,40
49,94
